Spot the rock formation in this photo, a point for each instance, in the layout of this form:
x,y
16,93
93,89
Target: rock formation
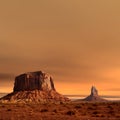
x,y
94,95
34,80
34,87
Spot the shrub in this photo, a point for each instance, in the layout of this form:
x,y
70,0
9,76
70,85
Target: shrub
x,y
44,110
70,112
78,106
95,112
9,109
55,111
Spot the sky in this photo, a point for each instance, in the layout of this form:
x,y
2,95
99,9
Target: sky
x,y
75,41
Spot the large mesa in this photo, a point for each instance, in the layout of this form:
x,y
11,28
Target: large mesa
x,y
34,80
34,87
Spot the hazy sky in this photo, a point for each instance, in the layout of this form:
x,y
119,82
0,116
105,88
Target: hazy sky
x,y
76,41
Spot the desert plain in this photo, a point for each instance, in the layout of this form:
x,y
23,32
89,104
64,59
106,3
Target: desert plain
x,y
79,110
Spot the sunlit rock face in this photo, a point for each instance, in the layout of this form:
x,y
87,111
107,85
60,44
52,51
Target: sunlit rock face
x,y
94,95
34,87
33,80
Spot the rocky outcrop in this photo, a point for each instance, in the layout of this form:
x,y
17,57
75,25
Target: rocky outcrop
x,y
35,96
94,91
94,95
34,80
34,87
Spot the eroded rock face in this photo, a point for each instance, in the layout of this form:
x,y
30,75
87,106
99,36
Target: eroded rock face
x,y
34,87
32,81
34,96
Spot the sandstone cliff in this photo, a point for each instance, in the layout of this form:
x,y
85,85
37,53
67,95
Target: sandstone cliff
x,y
34,80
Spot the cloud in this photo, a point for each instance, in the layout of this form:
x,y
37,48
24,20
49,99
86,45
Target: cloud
x,y
6,76
113,89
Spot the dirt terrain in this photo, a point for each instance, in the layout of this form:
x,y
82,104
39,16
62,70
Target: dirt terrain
x,y
61,111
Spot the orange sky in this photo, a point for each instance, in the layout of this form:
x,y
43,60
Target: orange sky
x,y
77,42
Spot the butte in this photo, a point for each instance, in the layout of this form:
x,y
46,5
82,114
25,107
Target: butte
x,y
34,87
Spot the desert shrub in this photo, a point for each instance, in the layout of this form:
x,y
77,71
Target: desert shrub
x,y
71,112
102,115
111,112
3,106
78,106
95,112
44,110
94,104
91,108
9,109
110,107
55,111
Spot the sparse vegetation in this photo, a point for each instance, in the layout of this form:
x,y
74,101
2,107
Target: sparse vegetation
x,y
55,111
44,110
78,106
71,112
9,109
95,112
66,111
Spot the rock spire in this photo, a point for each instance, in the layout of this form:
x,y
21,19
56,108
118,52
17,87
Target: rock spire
x,y
93,95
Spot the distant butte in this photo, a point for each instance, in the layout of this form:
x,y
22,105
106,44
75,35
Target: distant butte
x,y
34,87
94,95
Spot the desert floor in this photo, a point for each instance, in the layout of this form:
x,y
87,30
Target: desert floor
x,y
62,111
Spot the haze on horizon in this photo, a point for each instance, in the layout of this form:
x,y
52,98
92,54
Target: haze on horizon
x,y
77,42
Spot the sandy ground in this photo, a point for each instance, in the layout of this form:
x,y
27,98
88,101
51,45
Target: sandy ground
x,y
63,111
